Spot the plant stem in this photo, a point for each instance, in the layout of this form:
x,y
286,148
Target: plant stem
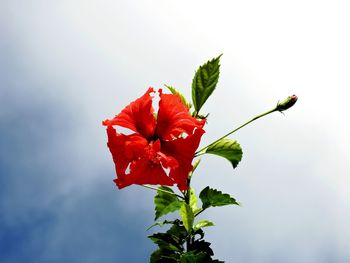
x,y
165,191
202,151
188,238
199,212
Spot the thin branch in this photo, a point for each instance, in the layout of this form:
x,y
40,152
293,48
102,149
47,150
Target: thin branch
x,y
165,191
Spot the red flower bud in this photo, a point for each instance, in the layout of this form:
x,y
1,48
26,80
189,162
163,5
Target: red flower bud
x,y
287,103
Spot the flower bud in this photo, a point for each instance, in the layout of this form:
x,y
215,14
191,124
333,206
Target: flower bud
x,y
287,103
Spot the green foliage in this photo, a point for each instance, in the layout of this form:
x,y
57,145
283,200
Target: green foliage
x,y
204,82
201,224
193,202
178,229
178,93
187,216
212,197
227,148
166,202
171,245
190,257
201,246
166,241
162,255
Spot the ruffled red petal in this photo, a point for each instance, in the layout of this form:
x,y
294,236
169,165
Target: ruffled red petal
x,y
148,168
124,149
143,172
137,116
182,150
174,118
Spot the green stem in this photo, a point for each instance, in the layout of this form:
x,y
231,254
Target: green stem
x,y
199,212
200,152
188,238
165,191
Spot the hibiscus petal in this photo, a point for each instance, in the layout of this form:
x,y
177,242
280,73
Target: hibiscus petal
x,y
137,116
142,172
124,149
137,161
166,161
174,118
182,149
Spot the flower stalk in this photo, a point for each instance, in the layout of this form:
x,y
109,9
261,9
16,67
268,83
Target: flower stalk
x,y
284,105
189,236
161,190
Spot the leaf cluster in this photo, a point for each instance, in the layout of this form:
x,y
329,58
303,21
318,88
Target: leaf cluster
x,y
171,244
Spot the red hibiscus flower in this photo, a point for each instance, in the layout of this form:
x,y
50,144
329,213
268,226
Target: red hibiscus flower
x,y
162,147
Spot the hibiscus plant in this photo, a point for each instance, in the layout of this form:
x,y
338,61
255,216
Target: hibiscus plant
x,y
161,149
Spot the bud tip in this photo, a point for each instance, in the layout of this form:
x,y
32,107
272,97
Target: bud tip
x,y
287,103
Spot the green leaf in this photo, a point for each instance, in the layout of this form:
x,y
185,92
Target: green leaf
x,y
179,231
190,257
166,241
166,202
202,223
178,93
213,197
227,148
187,216
163,255
193,201
204,82
201,246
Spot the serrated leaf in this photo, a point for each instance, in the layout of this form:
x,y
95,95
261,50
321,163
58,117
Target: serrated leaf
x,y
166,202
227,148
201,224
204,82
187,216
213,197
178,93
